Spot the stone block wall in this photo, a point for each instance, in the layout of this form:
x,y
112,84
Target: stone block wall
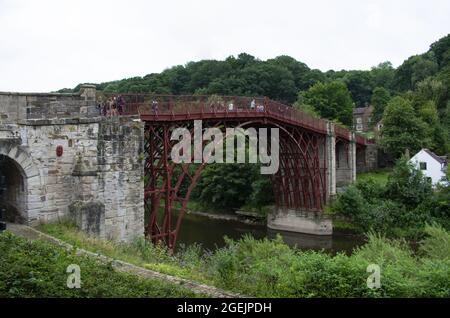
x,y
344,160
19,107
57,183
120,182
13,107
101,165
89,217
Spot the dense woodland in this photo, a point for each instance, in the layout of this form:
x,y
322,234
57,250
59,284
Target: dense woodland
x,y
421,85
413,101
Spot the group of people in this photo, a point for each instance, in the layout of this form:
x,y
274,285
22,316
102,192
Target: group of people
x,y
113,106
231,107
253,106
259,107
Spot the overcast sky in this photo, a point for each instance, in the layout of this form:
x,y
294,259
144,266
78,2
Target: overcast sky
x,y
46,45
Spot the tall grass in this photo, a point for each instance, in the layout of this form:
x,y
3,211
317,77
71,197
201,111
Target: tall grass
x,y
38,269
270,268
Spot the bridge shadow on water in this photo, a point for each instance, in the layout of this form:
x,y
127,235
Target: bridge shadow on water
x,y
210,232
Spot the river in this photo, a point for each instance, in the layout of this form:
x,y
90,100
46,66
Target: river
x,y
210,232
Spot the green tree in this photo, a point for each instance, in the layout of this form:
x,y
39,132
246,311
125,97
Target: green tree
x,y
402,129
441,50
359,83
309,109
262,192
298,70
226,186
330,100
413,70
407,185
437,134
445,118
383,75
379,100
431,89
274,81
444,77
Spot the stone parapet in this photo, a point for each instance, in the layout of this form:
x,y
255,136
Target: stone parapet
x,y
15,107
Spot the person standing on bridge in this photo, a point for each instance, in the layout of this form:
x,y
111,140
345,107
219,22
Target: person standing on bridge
x,y
109,107
231,106
260,108
155,107
253,104
120,104
114,111
100,106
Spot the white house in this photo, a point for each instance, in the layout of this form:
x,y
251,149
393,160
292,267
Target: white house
x,y
432,165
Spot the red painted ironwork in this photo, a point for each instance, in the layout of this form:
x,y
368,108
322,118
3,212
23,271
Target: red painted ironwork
x,y
360,140
300,182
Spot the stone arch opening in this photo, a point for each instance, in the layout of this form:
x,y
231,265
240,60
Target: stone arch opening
x,y
343,169
341,154
13,191
361,161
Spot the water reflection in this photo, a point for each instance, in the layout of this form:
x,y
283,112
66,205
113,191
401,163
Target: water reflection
x,y
303,241
210,232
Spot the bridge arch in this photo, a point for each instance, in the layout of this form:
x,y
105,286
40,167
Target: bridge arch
x,y
19,180
300,176
307,171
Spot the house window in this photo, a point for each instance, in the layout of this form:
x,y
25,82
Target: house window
x,y
359,120
423,165
359,127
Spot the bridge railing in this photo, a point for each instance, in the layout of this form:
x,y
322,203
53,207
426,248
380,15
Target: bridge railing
x,y
290,113
201,104
142,104
181,104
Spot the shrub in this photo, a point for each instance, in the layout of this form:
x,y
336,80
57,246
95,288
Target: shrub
x,y
270,268
371,189
396,262
402,208
433,278
380,216
350,203
407,185
436,245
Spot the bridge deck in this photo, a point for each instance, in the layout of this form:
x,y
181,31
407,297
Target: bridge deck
x,y
187,107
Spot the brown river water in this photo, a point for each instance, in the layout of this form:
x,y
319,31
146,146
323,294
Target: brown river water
x,y
210,234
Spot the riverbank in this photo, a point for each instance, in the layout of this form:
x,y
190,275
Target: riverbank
x,y
209,230
341,226
246,219
398,203
270,268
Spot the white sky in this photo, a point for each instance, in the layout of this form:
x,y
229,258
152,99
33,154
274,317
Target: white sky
x,y
46,45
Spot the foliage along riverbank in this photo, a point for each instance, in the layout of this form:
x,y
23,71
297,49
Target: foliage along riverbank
x,y
398,206
269,268
38,269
